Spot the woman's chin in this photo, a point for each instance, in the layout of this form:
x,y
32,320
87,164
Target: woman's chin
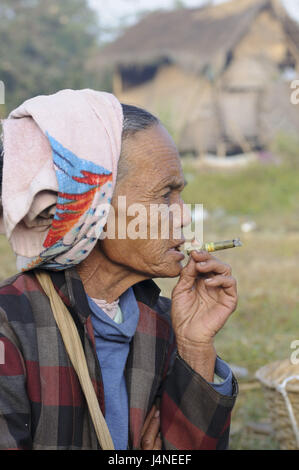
x,y
172,269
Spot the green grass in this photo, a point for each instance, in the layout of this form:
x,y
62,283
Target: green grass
x,y
286,145
7,259
250,407
268,193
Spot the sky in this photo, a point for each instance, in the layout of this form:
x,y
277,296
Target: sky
x,y
112,11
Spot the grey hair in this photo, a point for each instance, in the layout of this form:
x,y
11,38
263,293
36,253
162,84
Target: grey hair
x,y
135,120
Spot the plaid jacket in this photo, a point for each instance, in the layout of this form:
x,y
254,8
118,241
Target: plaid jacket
x,y
41,402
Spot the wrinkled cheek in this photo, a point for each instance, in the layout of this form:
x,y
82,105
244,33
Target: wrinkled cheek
x,y
160,225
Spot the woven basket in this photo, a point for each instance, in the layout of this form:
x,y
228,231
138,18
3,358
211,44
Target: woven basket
x,y
280,382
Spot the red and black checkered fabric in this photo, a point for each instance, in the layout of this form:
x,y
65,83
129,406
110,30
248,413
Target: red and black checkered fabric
x,y
41,402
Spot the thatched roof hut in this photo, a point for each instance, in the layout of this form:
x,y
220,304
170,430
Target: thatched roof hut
x,y
206,65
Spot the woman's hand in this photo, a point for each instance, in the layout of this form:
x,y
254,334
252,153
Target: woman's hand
x,y
150,435
203,299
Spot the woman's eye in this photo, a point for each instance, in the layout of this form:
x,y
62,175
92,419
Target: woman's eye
x,y
167,195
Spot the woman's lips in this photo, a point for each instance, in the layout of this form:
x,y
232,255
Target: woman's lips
x,y
176,252
179,245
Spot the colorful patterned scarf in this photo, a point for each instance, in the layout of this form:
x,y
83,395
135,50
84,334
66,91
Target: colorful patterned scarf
x,y
60,164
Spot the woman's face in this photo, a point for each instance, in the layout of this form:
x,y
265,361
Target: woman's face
x,y
154,177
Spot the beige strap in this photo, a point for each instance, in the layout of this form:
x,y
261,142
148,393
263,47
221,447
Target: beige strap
x,y
76,354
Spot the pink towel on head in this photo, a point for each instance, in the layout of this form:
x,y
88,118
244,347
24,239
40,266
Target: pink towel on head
x,y
60,165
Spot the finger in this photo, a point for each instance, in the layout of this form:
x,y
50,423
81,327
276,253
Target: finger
x,y
154,409
189,273
151,433
158,444
227,282
200,255
214,265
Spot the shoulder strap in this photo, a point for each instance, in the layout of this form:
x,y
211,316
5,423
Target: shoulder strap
x,y
76,354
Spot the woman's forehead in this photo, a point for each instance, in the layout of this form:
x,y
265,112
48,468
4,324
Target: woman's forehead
x,y
153,161
151,147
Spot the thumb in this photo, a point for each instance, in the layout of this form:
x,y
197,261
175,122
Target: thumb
x,y
188,275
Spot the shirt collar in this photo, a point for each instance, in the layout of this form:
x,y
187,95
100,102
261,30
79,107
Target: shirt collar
x,y
70,288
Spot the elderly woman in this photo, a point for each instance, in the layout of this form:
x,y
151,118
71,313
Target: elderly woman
x,y
68,158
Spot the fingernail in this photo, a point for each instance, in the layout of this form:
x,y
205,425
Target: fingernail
x,y
202,263
209,280
157,414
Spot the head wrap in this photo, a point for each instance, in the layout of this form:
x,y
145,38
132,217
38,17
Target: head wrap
x,y
60,165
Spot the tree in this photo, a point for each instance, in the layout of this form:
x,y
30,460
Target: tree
x,y
177,4
45,46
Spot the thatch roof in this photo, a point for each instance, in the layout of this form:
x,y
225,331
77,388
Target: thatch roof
x,y
197,39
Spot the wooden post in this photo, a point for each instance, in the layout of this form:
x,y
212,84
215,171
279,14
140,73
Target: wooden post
x,y
221,149
240,138
221,145
117,83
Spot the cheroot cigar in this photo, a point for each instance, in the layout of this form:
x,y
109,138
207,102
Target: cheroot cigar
x,y
213,246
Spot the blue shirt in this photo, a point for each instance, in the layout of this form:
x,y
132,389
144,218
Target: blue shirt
x,y
112,345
